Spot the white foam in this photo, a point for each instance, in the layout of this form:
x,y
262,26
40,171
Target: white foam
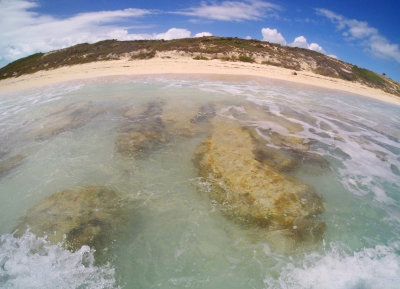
x,y
370,268
13,104
31,262
368,170
219,87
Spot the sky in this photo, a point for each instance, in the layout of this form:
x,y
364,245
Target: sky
x,y
362,32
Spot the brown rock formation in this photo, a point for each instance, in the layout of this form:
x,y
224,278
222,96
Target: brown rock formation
x,y
256,192
68,117
146,128
10,163
141,131
87,215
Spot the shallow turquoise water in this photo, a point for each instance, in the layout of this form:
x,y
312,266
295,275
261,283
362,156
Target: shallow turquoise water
x,y
175,237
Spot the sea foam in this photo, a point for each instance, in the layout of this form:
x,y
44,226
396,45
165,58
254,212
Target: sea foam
x,y
370,268
31,262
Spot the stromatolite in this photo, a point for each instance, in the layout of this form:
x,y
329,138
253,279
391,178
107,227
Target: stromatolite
x,y
87,215
66,118
149,126
253,192
141,130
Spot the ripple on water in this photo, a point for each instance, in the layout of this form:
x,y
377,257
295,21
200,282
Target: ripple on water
x,y
343,147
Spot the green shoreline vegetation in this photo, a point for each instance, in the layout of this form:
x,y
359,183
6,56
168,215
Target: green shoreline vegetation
x,y
203,48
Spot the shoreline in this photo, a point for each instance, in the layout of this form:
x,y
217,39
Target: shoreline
x,y
186,65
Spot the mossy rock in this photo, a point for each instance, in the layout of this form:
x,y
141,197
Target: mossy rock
x,y
142,130
63,119
146,128
87,215
254,192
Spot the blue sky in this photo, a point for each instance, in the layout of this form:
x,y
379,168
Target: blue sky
x,y
365,33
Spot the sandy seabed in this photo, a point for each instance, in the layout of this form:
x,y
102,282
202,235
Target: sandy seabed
x,y
186,65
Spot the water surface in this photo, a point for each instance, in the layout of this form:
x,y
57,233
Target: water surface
x,y
175,236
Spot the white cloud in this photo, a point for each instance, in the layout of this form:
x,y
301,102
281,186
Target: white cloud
x,y
359,29
173,33
272,35
231,10
333,56
354,30
316,47
202,34
23,31
248,37
301,42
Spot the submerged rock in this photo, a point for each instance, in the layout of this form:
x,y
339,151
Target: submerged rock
x,y
141,131
177,121
255,192
291,154
262,117
205,113
147,128
276,139
298,115
314,159
69,117
275,158
190,120
88,215
285,141
10,163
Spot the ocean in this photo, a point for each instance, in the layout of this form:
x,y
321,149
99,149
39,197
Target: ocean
x,y
138,137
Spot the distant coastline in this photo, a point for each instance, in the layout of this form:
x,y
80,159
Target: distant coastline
x,y
176,64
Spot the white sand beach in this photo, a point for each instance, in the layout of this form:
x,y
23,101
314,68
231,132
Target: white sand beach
x,y
186,65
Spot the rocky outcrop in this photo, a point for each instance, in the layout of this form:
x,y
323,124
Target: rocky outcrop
x,y
88,215
10,163
256,192
141,130
284,153
205,113
146,128
66,118
275,138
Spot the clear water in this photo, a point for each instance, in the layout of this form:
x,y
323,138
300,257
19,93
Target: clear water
x,y
176,237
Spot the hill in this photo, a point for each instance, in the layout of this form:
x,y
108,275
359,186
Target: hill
x,y
204,48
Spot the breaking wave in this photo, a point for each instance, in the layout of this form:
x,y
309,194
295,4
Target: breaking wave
x,y
32,262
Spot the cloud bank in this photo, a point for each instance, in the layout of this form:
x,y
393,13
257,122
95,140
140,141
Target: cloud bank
x,y
24,32
365,35
273,36
231,10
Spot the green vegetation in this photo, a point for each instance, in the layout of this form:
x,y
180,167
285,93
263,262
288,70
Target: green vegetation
x,y
144,55
245,58
203,48
21,66
200,57
368,76
286,64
